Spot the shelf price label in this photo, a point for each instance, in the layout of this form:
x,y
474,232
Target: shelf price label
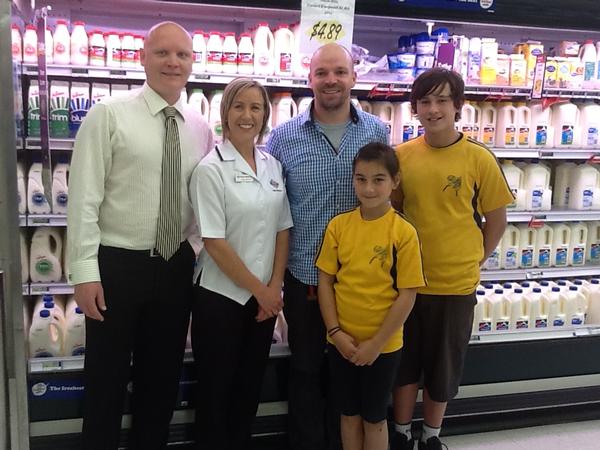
x,y
323,22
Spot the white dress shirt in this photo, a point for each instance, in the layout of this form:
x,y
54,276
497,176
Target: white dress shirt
x,y
115,174
247,209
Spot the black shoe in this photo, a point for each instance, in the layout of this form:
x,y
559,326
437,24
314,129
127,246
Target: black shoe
x,y
433,443
401,442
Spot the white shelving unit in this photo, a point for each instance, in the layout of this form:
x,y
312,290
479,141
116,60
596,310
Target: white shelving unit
x,y
540,273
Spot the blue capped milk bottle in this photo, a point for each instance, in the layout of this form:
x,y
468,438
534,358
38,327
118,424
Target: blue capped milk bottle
x,y
593,242
527,250
45,336
538,317
499,311
74,344
60,190
510,256
518,308
37,202
561,245
578,244
45,255
555,301
575,306
482,321
543,246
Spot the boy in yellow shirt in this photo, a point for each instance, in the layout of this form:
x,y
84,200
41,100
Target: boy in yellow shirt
x,y
450,184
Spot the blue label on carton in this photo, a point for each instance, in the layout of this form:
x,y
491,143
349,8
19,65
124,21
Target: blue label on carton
x,y
541,135
561,257
544,259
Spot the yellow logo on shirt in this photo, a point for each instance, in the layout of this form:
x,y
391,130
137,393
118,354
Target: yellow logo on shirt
x,y
381,254
454,182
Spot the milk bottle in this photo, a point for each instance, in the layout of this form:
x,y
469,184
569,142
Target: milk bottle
x,y
587,55
100,92
518,70
562,183
474,69
405,126
538,317
487,132
493,261
593,242
113,49
584,190
578,244
74,342
37,202
499,311
21,192
284,108
527,248
59,109
518,310
139,46
128,50
54,304
540,135
506,130
16,43
574,306
366,107
564,122
214,53
214,116
30,45
554,307
597,86
527,286
60,191
264,56
198,101
33,110
303,103
514,177
45,336
482,321
589,124
537,185
24,256
561,245
284,46
199,49
356,103
489,60
385,112
97,49
79,45
593,313
45,255
245,54
543,246
230,53
469,122
300,61
62,43
79,105
523,125
509,258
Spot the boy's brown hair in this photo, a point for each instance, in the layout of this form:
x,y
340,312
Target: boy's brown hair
x,y
433,81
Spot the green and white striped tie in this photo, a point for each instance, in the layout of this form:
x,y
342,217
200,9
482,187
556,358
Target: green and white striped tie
x,y
168,229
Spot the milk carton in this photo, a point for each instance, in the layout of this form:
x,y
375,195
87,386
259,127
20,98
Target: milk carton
x,y
45,255
574,306
33,110
74,343
561,245
37,203
518,310
79,105
24,256
510,256
499,311
59,109
100,92
45,336
593,242
562,184
554,307
578,244
543,246
538,317
527,250
584,188
60,190
482,321
593,313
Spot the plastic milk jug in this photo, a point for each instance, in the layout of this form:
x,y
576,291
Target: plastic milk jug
x,y
554,307
97,49
52,303
59,109
528,286
366,107
564,122
385,112
79,105
487,130
230,53
540,131
514,177
587,55
199,50
523,125
45,336
493,261
543,246
527,240
16,43
45,255
499,311
562,184
593,313
24,256
303,103
584,191
589,125
214,53
284,46
62,43
597,86
578,244
37,202
21,191
60,191
30,44
405,126
214,116
518,310
33,110
198,101
128,50
506,126
74,344
538,317
469,121
300,61
537,185
284,108
356,103
482,321
113,49
593,242
79,45
264,56
575,306
509,258
100,92
245,54
561,245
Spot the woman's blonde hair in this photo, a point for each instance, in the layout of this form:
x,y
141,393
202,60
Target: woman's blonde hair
x,y
231,91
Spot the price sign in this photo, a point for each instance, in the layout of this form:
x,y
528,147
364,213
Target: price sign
x,y
323,22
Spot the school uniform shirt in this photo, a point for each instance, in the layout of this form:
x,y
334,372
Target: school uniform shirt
x,y
231,202
447,191
371,260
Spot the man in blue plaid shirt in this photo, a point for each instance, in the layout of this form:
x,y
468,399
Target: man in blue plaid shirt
x,y
316,149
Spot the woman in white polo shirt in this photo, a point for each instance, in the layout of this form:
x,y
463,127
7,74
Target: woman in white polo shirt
x,y
238,195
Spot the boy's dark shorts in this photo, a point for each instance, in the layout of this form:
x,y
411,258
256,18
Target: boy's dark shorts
x,y
362,391
436,338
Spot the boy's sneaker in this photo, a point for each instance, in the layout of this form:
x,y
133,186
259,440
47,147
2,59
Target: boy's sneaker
x,y
433,443
401,442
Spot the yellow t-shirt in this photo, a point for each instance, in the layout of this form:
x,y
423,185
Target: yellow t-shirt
x,y
446,193
371,260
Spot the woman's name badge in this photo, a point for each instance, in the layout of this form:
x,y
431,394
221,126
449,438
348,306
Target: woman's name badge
x,y
244,179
